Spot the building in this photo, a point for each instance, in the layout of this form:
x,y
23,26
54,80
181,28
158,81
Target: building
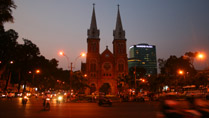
x,y
105,68
143,56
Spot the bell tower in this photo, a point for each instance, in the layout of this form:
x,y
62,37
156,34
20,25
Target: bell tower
x,y
93,53
119,48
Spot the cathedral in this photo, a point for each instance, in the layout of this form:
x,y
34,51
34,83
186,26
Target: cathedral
x,y
105,68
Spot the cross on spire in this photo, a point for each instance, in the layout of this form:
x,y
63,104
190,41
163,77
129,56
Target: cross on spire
x,y
93,32
119,33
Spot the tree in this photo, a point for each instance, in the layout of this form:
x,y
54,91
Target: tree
x,y
123,83
171,66
78,82
8,44
6,11
200,79
191,56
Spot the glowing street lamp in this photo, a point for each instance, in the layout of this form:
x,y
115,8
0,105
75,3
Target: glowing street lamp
x,y
61,53
83,54
180,72
200,56
38,71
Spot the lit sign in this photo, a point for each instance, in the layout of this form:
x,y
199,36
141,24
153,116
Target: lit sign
x,y
144,46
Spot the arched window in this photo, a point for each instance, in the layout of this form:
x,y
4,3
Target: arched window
x,y
121,65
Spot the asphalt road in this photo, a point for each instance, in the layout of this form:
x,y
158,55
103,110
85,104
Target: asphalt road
x,y
34,109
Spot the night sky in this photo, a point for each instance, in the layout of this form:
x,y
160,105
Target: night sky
x,y
174,26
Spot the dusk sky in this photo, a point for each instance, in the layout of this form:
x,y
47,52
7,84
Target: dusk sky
x,y
174,26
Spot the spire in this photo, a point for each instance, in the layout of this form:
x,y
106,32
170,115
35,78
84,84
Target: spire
x,y
93,32
119,33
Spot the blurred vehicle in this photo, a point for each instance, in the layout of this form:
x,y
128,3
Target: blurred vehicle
x,y
24,100
53,95
200,105
146,98
171,108
207,96
46,103
139,98
3,94
28,94
18,94
104,100
11,94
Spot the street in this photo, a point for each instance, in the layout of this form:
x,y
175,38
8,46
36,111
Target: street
x,y
34,109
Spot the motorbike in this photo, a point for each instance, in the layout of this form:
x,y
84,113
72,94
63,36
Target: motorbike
x,y
104,101
46,104
24,100
201,106
173,109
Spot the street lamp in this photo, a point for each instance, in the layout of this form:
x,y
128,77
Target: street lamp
x,y
61,53
180,72
200,56
70,67
85,75
37,71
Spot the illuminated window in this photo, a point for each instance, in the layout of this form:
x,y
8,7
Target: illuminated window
x,y
143,62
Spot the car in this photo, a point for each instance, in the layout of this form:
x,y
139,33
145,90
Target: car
x,y
18,94
104,100
3,94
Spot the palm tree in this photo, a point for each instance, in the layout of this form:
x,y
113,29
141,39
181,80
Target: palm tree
x,y
6,11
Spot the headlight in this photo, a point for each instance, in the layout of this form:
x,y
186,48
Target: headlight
x,y
59,98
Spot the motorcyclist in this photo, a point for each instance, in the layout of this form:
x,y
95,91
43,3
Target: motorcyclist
x,y
44,98
201,106
170,108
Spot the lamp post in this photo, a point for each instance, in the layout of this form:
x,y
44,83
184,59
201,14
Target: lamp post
x,y
202,57
37,71
70,67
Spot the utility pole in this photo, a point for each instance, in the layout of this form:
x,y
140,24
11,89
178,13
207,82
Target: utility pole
x,y
71,73
135,77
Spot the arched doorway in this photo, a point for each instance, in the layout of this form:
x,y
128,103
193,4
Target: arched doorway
x,y
92,88
105,88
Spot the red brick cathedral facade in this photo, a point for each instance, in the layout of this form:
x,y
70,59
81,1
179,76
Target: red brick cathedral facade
x,y
105,68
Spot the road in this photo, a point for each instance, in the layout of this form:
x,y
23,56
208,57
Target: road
x,y
33,109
